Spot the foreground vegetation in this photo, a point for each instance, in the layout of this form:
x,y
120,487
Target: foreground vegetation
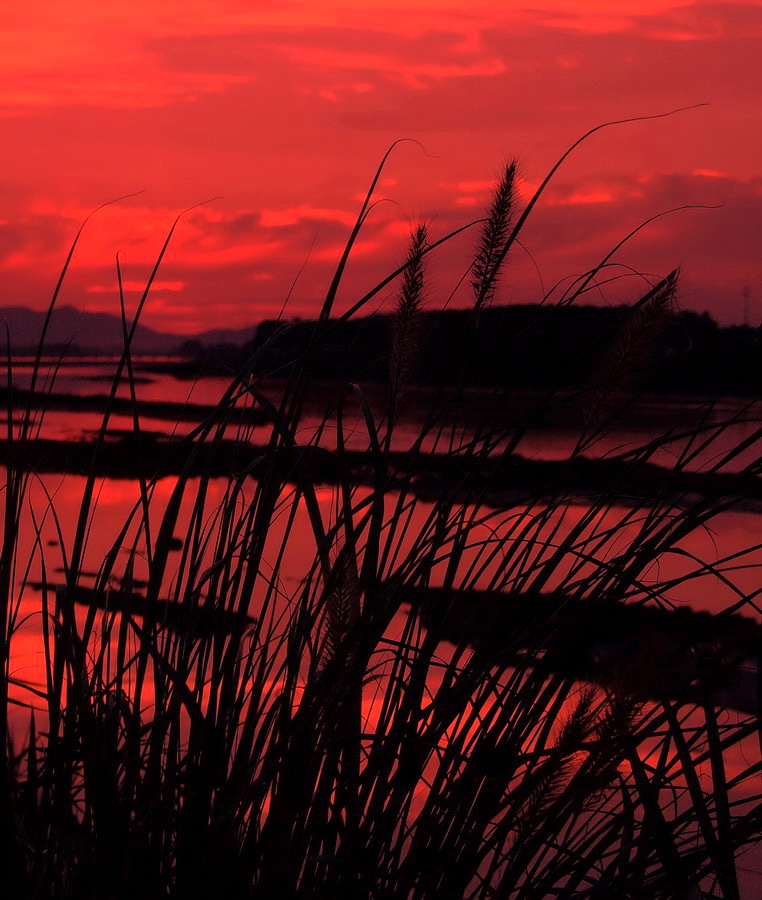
x,y
369,693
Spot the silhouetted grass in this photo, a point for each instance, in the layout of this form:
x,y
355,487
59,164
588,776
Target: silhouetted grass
x,y
374,695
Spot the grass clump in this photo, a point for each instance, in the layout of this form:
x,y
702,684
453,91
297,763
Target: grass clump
x,y
370,691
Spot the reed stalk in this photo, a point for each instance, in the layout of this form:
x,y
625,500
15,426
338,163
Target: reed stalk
x,y
366,690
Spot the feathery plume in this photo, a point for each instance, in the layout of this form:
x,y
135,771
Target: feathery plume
x,y
490,253
406,317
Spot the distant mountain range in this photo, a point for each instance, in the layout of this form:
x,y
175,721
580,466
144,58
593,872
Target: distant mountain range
x,y
101,332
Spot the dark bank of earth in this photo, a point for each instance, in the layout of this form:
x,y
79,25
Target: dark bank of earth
x,y
499,480
17,400
642,650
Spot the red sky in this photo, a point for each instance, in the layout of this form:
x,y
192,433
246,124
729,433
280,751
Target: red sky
x,y
284,110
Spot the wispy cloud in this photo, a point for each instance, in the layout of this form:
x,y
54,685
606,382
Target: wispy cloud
x,y
285,109
247,261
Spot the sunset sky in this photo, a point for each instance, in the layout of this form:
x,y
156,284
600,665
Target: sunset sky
x,y
282,111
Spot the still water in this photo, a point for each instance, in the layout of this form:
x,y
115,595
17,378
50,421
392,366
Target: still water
x,y
54,501
730,534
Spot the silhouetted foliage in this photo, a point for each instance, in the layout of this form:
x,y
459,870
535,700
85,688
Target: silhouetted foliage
x,y
441,677
553,347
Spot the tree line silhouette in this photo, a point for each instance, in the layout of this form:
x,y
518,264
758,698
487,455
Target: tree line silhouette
x,y
529,346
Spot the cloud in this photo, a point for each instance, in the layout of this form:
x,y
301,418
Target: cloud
x,y
32,239
246,262
284,110
673,22
77,54
475,186
157,286
714,246
278,218
140,55
703,22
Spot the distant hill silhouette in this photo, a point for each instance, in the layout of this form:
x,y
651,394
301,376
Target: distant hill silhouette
x,y
90,332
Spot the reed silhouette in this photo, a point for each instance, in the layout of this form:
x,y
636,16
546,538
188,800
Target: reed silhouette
x,y
455,697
